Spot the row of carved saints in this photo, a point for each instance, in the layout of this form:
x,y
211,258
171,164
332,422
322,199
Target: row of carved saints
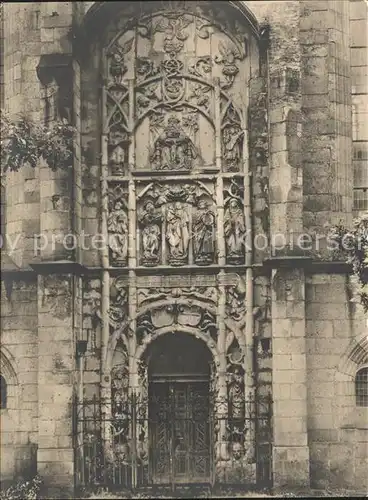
x,y
177,233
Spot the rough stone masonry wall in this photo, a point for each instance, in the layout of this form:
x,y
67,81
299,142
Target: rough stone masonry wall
x,y
37,335
19,350
334,325
19,365
337,429
290,450
327,130
359,88
22,95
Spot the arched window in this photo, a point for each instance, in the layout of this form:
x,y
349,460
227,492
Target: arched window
x,y
3,396
361,387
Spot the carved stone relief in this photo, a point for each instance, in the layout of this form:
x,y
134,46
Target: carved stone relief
x,y
193,307
228,54
235,301
204,237
117,54
236,408
173,149
174,77
118,312
150,223
121,412
177,225
57,295
91,310
117,225
232,140
118,144
234,225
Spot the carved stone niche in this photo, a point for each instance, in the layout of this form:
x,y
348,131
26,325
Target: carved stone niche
x,y
92,310
177,225
173,149
150,220
234,224
118,145
117,225
231,140
193,307
55,72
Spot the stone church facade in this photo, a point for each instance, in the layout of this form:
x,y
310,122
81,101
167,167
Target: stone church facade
x,y
182,340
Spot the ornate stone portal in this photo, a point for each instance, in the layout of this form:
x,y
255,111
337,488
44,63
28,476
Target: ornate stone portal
x,y
175,122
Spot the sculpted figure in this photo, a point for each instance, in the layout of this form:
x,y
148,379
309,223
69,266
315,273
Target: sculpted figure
x,y
204,234
232,148
150,222
173,149
236,395
117,225
117,160
234,232
177,233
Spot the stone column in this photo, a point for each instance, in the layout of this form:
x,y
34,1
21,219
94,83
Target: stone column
x,y
327,131
290,451
56,354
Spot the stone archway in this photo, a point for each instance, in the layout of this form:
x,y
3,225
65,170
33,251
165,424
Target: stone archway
x,y
165,367
179,370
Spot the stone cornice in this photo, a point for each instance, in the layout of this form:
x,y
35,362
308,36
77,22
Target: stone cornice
x,y
59,267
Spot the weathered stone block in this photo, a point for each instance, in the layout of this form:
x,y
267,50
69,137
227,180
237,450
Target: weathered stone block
x,y
291,472
290,408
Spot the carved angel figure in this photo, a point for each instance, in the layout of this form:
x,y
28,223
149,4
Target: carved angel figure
x,y
177,232
150,221
118,233
204,234
234,232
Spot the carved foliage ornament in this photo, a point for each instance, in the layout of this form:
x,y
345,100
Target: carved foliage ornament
x,y
192,307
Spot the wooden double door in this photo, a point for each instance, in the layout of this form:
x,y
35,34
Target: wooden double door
x,y
179,432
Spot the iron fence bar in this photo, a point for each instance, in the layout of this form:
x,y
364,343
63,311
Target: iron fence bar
x,y
134,441
94,465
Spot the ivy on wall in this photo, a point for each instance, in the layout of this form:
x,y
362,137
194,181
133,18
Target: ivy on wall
x,y
353,244
24,142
